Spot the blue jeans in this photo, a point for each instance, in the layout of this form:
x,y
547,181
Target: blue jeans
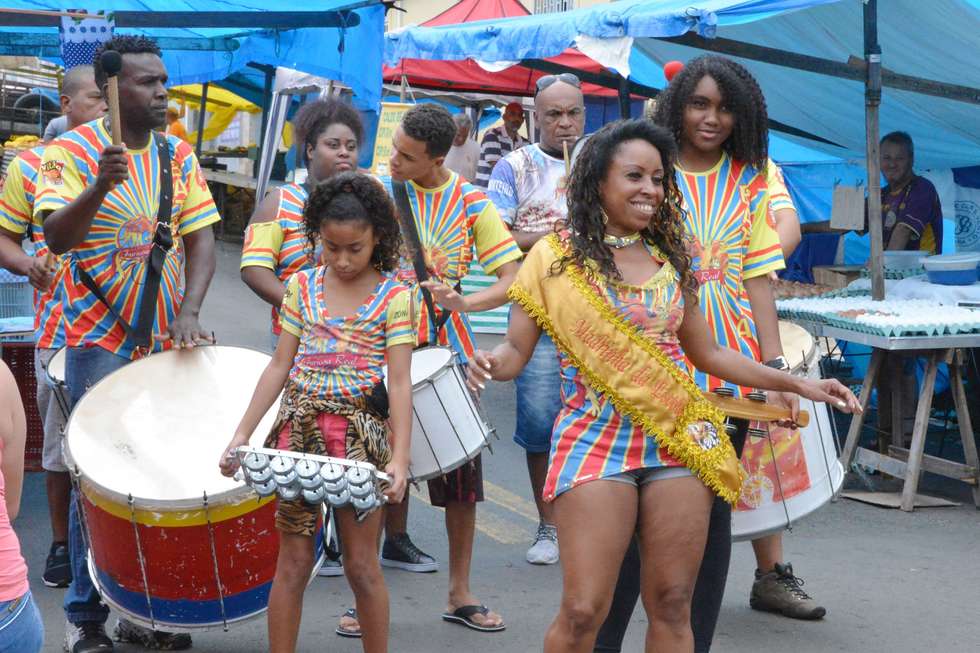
x,y
21,629
538,397
84,366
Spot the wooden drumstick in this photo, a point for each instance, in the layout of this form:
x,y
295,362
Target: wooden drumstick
x,y
111,62
755,410
568,161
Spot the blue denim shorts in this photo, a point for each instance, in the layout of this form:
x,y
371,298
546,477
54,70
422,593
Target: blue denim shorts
x,y
538,398
21,629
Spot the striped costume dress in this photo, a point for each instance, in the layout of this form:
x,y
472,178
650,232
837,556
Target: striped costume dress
x,y
116,249
280,245
16,215
734,238
591,439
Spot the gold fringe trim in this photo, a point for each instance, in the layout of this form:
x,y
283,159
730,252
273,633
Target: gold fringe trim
x,y
701,462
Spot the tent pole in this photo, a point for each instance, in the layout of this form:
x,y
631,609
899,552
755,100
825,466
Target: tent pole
x,y
401,91
872,95
624,98
200,119
270,75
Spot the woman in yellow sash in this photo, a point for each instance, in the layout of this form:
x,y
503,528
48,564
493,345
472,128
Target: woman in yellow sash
x,y
636,448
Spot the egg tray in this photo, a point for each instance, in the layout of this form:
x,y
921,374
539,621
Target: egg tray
x,y
897,315
315,479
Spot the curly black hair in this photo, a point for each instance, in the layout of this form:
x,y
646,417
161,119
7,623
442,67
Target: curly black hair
x,y
749,140
431,124
353,196
314,118
586,221
123,44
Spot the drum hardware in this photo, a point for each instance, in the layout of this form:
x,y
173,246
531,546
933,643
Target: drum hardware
x,y
335,487
315,494
289,478
755,410
332,473
281,464
140,558
54,373
340,499
310,483
757,396
255,461
361,491
289,492
307,468
260,475
214,562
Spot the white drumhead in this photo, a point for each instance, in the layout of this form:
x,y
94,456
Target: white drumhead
x,y
428,361
156,428
798,344
56,366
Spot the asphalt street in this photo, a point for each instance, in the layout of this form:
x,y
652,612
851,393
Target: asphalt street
x,y
891,581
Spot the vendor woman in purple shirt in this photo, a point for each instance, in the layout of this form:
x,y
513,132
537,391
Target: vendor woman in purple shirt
x,y
911,214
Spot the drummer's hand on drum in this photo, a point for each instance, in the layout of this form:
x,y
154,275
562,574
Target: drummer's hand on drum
x,y
399,481
478,372
185,332
832,392
228,463
445,296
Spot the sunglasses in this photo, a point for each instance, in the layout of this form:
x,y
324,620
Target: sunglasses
x,y
548,80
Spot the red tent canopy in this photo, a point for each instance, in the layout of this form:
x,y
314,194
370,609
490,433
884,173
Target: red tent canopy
x,y
467,76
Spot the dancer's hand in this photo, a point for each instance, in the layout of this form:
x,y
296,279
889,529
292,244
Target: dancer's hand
x,y
228,463
446,296
832,392
789,401
41,274
398,472
479,371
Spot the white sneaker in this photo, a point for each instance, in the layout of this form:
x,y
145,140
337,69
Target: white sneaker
x,y
331,568
544,551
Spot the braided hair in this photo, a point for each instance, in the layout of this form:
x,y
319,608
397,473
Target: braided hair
x,y
352,196
740,92
586,221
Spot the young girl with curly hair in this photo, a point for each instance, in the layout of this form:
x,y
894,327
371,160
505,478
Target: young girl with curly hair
x,y
342,321
636,449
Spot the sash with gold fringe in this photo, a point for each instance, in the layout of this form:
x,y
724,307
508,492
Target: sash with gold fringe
x,y
624,365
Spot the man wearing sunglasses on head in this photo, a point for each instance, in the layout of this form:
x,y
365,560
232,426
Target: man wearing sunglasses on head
x,y
528,188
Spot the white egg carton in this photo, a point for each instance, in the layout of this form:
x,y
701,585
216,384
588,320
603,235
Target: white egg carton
x,y
890,318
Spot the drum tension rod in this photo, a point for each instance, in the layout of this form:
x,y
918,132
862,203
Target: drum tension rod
x,y
142,560
214,561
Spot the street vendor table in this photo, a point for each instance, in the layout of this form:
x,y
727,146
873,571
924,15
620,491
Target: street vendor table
x,y
920,288
899,461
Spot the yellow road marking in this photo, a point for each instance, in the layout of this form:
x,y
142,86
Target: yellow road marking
x,y
512,502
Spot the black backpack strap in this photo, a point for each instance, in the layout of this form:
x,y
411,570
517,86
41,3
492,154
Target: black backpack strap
x,y
411,235
141,332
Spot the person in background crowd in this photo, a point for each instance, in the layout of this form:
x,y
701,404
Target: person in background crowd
x,y
464,153
21,629
910,209
95,201
78,97
499,142
174,126
46,274
528,188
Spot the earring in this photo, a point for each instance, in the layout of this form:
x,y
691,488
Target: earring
x,y
605,216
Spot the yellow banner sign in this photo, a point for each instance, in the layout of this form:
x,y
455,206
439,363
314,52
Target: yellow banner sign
x,y
390,118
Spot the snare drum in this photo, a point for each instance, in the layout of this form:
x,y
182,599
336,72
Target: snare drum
x,y
172,542
792,472
55,377
447,427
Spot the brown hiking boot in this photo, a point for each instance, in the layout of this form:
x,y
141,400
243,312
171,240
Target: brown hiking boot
x,y
780,591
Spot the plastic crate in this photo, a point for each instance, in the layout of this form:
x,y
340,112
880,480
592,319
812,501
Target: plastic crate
x,y
16,295
19,357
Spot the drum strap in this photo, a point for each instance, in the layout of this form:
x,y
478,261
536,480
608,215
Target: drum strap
x,y
163,241
411,235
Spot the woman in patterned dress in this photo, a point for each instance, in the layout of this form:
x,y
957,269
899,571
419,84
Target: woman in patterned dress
x,y
610,478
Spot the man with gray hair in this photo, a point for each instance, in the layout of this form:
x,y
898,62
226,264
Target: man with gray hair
x,y
465,153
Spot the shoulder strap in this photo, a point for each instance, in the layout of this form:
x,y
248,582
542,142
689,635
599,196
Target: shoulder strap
x,y
411,235
141,332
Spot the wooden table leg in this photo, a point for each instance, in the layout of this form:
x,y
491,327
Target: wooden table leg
x,y
857,421
922,411
964,420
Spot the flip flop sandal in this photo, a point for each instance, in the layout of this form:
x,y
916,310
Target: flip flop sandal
x,y
343,632
464,617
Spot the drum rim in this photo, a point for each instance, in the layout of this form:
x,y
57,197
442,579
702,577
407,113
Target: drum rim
x,y
225,497
812,354
452,362
63,350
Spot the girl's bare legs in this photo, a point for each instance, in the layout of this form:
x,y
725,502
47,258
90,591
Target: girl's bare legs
x,y
672,528
363,571
595,523
293,570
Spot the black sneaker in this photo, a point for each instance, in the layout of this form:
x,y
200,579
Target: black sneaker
x,y
57,568
401,553
86,637
156,640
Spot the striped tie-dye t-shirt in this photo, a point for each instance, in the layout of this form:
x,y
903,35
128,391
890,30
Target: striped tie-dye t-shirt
x,y
116,249
16,216
343,356
280,244
733,239
591,439
453,221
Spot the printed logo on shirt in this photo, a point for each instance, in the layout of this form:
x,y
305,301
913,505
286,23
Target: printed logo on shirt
x,y
334,361
134,240
52,172
710,260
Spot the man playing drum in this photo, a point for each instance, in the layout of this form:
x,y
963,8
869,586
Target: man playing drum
x,y
100,203
452,218
81,101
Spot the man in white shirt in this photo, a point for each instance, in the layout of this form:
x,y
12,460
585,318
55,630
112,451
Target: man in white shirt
x,y
465,152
